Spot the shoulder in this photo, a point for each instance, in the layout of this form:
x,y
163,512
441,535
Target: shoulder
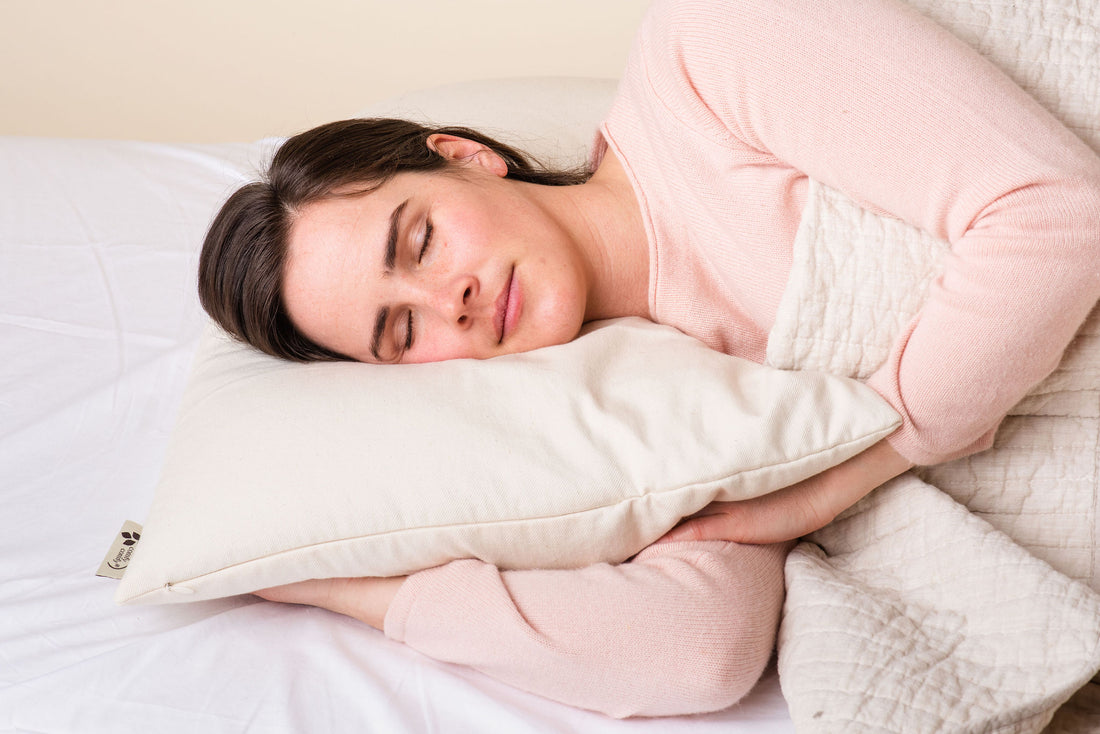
x,y
694,21
678,24
702,59
708,42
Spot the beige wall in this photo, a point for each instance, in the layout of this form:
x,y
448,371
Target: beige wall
x,y
223,70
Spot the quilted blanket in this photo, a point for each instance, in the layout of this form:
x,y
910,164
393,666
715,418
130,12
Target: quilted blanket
x,y
962,597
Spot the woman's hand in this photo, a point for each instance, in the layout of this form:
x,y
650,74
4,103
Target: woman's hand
x,y
796,510
365,599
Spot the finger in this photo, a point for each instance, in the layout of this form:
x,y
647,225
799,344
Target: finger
x,y
708,527
714,508
314,592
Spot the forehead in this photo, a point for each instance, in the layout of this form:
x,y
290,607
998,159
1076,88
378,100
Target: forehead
x,y
350,214
344,212
330,232
335,251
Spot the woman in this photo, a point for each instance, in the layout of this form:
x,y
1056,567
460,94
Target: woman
x,y
699,179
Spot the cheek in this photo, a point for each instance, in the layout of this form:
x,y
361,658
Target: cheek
x,y
559,309
471,220
444,346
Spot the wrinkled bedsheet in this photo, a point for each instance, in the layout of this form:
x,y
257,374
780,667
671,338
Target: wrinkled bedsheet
x,y
960,597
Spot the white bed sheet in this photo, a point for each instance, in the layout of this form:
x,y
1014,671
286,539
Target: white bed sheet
x,y
98,323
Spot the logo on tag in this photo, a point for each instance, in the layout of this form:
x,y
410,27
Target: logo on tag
x,y
122,550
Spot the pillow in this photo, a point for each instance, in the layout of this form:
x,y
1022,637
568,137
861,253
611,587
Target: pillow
x,y
561,457
553,119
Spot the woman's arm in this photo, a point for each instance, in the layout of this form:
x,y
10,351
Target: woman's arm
x,y
872,99
683,628
796,510
875,100
366,599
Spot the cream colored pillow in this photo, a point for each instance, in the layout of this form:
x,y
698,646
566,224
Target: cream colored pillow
x,y
553,119
560,457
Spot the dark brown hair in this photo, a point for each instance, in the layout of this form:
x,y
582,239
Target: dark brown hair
x,y
244,253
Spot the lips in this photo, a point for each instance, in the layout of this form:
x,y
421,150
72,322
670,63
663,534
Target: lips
x,y
507,307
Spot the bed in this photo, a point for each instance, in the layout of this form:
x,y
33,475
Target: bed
x,y
99,323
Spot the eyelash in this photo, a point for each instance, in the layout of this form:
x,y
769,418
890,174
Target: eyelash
x,y
419,258
427,240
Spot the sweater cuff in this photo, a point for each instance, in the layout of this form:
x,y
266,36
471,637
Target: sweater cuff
x,y
908,440
457,580
400,609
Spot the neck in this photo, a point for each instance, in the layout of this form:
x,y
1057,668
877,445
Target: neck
x,y
605,221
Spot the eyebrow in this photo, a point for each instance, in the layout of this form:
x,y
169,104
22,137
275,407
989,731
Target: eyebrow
x,y
391,237
388,260
379,328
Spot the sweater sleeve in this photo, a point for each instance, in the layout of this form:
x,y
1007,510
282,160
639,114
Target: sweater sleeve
x,y
683,628
877,101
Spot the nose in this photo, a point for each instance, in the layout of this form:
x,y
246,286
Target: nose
x,y
453,300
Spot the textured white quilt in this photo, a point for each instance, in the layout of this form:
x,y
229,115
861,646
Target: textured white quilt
x,y
961,599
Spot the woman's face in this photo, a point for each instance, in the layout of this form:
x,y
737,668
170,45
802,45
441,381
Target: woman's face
x,y
434,266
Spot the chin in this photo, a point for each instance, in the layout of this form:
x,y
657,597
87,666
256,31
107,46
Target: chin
x,y
553,324
520,345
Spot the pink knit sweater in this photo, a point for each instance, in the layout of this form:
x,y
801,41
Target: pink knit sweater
x,y
724,109
727,107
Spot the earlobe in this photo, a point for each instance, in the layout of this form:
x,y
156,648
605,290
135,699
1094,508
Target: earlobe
x,y
467,152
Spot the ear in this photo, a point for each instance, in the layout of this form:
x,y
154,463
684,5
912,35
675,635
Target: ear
x,y
468,153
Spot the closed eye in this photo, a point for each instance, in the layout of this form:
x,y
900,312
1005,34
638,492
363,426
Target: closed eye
x,y
408,333
427,241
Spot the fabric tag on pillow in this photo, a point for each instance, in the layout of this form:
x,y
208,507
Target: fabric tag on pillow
x,y
122,550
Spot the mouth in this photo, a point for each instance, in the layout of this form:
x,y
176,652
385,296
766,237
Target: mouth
x,y
508,305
